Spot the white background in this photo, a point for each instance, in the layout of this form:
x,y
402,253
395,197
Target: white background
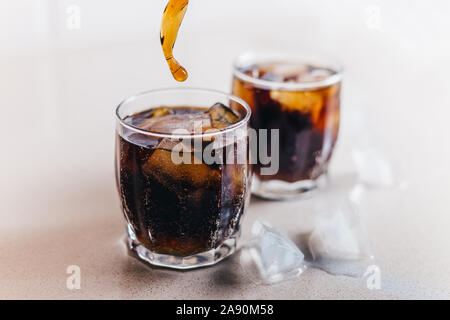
x,y
59,88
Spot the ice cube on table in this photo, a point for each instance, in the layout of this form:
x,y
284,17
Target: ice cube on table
x,y
373,167
339,243
357,193
270,256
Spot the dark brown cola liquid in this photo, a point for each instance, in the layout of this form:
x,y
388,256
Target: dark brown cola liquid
x,y
308,120
178,209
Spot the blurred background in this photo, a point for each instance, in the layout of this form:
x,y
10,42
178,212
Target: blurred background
x,y
65,66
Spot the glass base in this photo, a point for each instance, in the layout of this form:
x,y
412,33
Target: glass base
x,y
282,190
203,259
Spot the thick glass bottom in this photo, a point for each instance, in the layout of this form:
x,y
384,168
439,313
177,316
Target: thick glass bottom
x,y
199,260
282,190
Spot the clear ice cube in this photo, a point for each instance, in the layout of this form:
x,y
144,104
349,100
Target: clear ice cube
x,y
304,101
270,256
178,123
222,116
339,243
161,167
373,167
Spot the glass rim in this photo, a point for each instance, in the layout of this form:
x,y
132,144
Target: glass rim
x,y
238,64
228,129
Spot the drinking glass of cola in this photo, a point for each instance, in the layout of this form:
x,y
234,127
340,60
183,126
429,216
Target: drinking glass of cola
x,y
183,174
296,104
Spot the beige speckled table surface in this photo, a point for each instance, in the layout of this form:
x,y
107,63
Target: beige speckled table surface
x,y
59,205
